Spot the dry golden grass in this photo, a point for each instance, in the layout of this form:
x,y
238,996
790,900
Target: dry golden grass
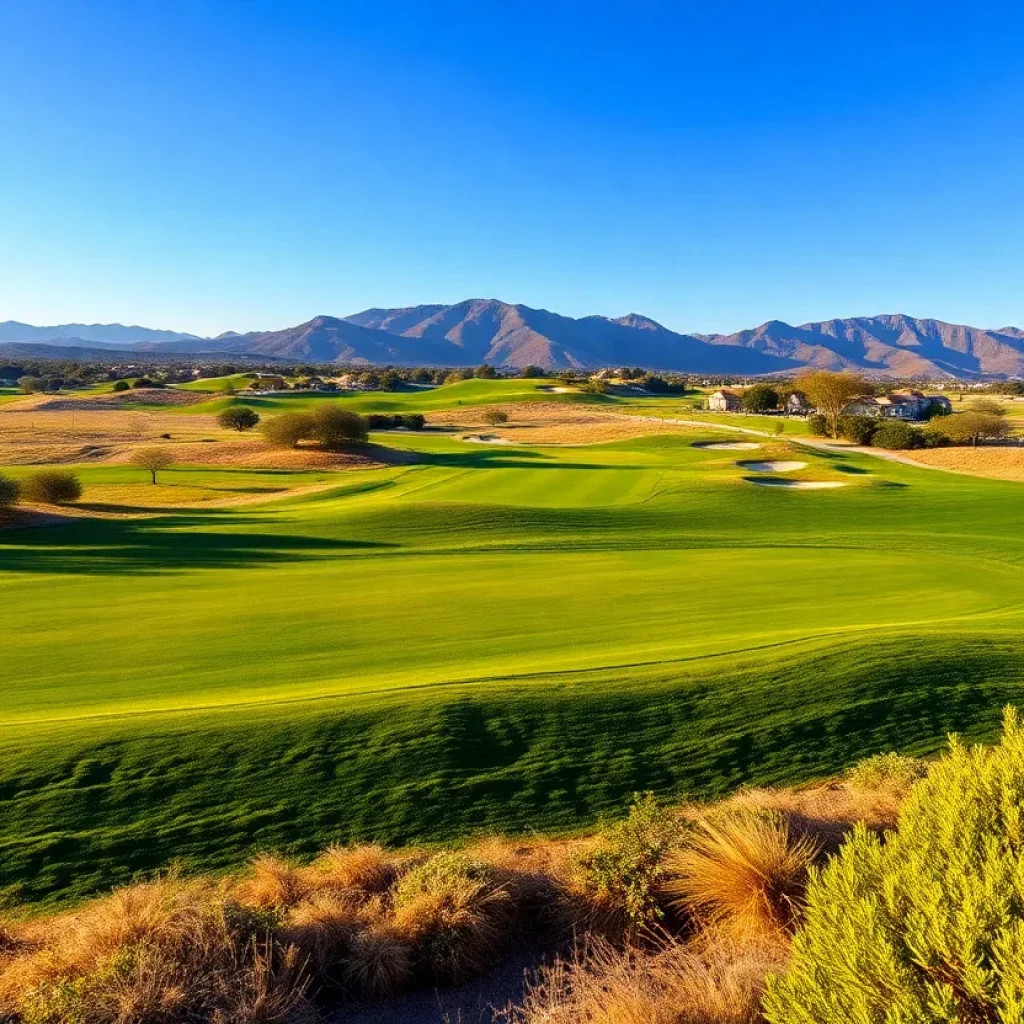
x,y
996,461
551,423
743,872
380,963
362,870
677,984
273,882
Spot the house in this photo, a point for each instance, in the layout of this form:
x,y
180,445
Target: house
x,y
905,404
726,400
796,404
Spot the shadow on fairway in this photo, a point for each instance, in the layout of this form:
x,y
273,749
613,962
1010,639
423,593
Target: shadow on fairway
x,y
153,546
503,458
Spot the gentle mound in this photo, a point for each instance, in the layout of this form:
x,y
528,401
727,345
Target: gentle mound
x,y
727,446
771,467
803,485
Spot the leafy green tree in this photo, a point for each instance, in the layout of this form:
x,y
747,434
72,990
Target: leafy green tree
x,y
414,421
336,428
760,398
830,393
927,926
532,371
30,385
972,427
288,429
238,417
485,371
858,429
897,436
121,386
390,381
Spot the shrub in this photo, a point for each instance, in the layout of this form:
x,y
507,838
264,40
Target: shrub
x,y
335,427
9,492
897,436
495,416
890,771
972,427
143,382
238,417
929,924
288,429
363,870
745,872
454,914
760,398
817,424
625,871
858,429
272,883
31,385
414,421
122,385
52,487
379,963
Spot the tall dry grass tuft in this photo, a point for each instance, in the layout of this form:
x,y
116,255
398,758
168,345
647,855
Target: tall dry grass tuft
x,y
358,869
380,962
323,929
744,873
602,984
154,953
272,883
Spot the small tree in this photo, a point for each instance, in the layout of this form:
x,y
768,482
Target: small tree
x,y
9,492
414,421
122,385
31,385
52,487
485,371
238,417
831,393
335,427
530,371
288,429
760,398
779,427
153,460
495,416
971,427
390,381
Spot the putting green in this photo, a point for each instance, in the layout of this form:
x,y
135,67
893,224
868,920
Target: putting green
x,y
492,638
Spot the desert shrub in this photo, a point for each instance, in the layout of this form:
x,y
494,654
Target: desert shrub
x,y
742,871
454,915
238,417
9,492
891,771
817,424
897,436
625,870
363,870
858,429
495,416
335,427
51,487
288,429
927,925
379,964
324,929
122,385
414,421
272,883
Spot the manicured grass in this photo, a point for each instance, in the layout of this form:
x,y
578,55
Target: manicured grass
x,y
504,638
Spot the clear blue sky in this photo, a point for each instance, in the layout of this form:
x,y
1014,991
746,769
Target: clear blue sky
x,y
207,165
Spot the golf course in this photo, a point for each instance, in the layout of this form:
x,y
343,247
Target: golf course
x,y
479,637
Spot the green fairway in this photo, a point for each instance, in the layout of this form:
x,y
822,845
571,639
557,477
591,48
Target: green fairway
x,y
507,638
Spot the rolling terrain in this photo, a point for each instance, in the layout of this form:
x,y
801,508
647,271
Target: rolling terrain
x,y
487,330
491,638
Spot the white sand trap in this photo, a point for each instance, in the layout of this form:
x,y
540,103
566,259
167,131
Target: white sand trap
x,y
801,485
486,439
728,446
771,467
557,391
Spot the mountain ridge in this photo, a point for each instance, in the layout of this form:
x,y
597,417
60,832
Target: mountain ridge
x,y
513,335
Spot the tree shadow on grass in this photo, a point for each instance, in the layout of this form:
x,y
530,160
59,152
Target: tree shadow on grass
x,y
172,543
509,457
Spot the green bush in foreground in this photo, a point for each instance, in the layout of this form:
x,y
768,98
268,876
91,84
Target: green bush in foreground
x,y
51,487
897,436
890,771
927,926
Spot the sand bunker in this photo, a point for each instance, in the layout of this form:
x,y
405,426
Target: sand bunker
x,y
727,446
554,390
486,439
803,485
771,467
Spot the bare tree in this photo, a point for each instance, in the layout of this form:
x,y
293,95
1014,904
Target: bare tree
x,y
153,460
495,417
831,393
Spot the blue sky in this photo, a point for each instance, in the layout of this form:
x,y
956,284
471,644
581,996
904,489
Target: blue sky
x,y
246,164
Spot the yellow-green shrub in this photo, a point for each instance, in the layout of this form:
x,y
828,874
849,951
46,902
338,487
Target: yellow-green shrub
x,y
926,926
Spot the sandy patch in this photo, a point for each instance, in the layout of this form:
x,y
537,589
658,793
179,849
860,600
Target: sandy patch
x,y
485,439
727,446
800,485
997,462
124,399
771,467
555,390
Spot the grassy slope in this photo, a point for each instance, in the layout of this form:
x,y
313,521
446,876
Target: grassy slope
x,y
496,638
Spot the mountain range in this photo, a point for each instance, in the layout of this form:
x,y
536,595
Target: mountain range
x,y
486,330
